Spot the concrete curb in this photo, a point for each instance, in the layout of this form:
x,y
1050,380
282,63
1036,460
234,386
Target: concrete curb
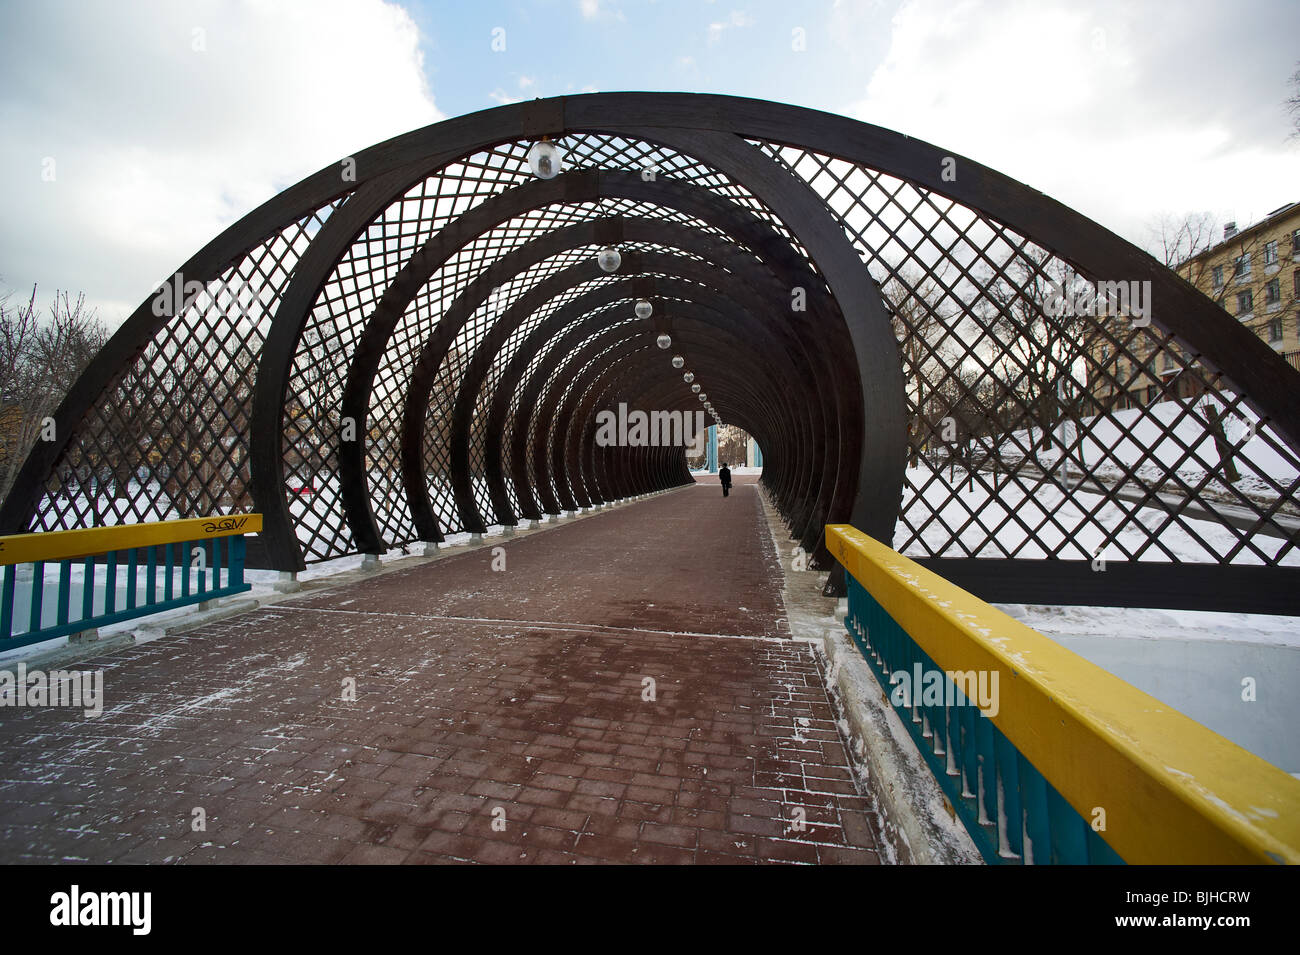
x,y
918,814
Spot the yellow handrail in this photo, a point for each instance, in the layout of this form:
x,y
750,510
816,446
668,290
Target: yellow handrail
x,y
1173,791
62,545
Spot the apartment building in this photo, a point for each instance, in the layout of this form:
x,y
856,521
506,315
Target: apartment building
x,y
1254,274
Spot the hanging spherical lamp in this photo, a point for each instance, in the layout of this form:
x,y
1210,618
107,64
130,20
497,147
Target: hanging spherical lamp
x,y
678,361
609,259
695,388
703,396
664,340
544,159
688,377
644,309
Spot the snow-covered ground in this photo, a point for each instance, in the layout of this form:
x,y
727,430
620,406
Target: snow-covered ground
x,y
1136,624
1148,439
1074,525
1199,663
1152,442
315,505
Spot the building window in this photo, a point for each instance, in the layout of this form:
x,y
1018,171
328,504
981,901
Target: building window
x,y
1168,362
1270,253
1295,282
1245,303
1217,276
1295,242
1275,330
1153,393
1105,349
1243,266
1273,293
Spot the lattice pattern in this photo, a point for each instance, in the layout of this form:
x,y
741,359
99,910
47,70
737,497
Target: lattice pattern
x,y
1032,435
1067,437
169,438
359,280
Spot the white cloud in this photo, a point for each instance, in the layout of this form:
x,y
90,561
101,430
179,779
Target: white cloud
x,y
158,145
1112,109
737,18
525,84
593,9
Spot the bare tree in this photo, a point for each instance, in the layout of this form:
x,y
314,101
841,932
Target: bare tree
x,y
39,362
920,320
1037,349
194,441
732,445
1174,240
1293,103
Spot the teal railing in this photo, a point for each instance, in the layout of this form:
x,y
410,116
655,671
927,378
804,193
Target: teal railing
x,y
1043,756
63,582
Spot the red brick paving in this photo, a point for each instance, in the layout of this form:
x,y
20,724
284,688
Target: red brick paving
x,y
482,697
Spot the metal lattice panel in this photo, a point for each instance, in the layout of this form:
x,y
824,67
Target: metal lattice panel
x,y
1043,463
168,438
412,354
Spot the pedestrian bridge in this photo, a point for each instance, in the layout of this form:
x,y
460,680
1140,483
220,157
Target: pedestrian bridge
x,y
559,647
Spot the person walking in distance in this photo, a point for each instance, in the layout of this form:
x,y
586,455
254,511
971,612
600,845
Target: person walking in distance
x,y
724,475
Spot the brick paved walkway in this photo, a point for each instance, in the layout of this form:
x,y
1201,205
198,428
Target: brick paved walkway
x,y
499,716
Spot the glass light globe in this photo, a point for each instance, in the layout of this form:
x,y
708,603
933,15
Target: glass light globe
x,y
688,377
644,309
678,361
544,159
703,396
695,388
608,259
663,341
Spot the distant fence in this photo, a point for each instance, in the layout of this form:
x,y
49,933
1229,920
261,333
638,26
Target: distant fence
x,y
62,582
1066,763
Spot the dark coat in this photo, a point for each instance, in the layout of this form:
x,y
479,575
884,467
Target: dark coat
x,y
724,475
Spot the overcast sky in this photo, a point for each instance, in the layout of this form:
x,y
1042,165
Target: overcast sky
x,y
132,131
